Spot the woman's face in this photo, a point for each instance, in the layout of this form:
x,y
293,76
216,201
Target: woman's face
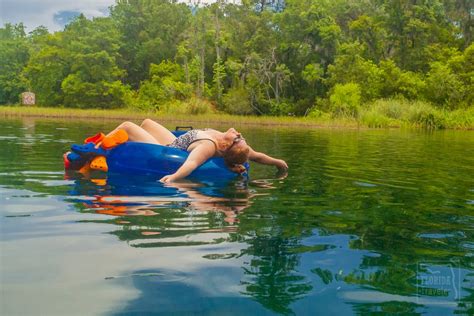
x,y
231,134
234,138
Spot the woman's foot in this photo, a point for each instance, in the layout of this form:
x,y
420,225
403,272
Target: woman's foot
x,y
95,139
88,150
116,138
99,163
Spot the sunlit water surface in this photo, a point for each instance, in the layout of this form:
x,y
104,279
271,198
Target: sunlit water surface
x,y
367,221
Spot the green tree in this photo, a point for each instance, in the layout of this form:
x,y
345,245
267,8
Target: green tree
x,y
307,34
443,86
396,82
94,78
350,66
47,67
150,33
459,13
370,32
93,82
278,57
413,25
463,66
14,55
167,82
345,99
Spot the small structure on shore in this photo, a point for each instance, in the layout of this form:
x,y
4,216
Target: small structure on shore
x,y
28,98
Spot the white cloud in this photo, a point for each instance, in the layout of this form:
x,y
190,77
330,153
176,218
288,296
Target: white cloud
x,y
34,13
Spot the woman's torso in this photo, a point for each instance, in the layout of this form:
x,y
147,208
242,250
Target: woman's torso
x,y
191,139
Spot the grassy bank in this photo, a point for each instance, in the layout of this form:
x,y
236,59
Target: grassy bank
x,y
385,113
212,118
379,114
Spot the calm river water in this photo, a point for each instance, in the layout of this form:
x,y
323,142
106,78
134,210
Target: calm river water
x,y
367,221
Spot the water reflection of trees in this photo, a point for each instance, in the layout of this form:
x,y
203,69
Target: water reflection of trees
x,y
390,209
270,275
183,214
386,308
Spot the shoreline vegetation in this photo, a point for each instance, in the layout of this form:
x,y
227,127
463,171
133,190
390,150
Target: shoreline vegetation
x,y
368,63
379,114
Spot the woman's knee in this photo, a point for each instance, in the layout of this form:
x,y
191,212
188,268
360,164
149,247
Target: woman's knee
x,y
147,122
127,125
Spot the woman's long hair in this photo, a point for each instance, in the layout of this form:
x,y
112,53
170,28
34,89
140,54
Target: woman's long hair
x,y
235,157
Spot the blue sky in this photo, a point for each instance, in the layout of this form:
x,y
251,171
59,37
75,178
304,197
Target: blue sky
x,y
54,13
50,13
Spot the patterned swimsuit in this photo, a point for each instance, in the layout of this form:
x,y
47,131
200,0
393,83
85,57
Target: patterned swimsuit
x,y
185,140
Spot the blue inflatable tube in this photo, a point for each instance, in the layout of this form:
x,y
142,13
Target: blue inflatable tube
x,y
149,159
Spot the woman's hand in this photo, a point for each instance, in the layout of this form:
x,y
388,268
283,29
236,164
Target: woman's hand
x,y
281,165
238,169
167,179
267,160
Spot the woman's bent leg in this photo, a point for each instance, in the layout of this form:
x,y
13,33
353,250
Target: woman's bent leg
x,y
136,133
159,132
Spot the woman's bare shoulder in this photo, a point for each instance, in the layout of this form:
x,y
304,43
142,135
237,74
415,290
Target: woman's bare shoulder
x,y
208,132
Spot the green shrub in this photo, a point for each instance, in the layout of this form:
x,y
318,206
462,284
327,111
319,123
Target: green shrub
x,y
281,108
156,92
237,101
302,106
318,115
373,118
345,100
400,83
396,112
390,74
350,67
444,87
425,115
411,85
102,94
199,106
166,83
461,118
173,107
391,108
384,113
193,106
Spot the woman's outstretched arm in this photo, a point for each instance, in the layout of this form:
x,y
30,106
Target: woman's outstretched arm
x,y
267,160
197,157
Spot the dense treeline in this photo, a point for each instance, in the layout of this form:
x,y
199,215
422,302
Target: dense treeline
x,y
306,57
